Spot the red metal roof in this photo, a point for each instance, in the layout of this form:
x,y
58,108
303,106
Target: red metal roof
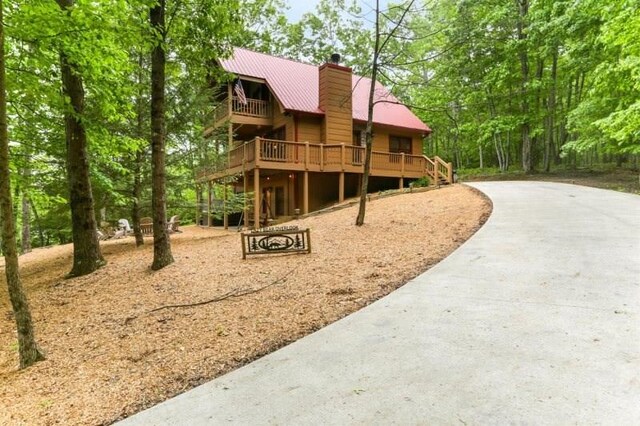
x,y
295,85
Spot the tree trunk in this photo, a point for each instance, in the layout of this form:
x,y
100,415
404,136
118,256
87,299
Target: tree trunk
x,y
369,128
26,224
137,167
28,350
551,111
161,245
39,224
523,9
86,248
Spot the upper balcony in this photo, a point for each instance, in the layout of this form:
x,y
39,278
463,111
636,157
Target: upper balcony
x,y
255,111
303,156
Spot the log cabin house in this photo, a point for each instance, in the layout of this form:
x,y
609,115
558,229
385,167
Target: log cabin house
x,y
295,137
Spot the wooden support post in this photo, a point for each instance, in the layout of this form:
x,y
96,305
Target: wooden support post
x,y
229,143
342,157
321,157
450,172
305,193
245,188
209,203
306,155
225,216
402,164
341,187
257,153
256,198
401,183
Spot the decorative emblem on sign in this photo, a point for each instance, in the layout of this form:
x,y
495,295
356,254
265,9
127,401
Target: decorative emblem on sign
x,y
276,240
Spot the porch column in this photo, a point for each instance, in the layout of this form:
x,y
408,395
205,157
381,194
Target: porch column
x,y
305,193
401,183
256,198
225,216
245,188
209,203
341,188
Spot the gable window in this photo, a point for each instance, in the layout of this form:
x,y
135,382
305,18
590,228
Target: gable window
x,y
399,144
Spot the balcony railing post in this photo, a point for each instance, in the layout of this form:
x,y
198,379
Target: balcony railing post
x,y
321,157
257,148
306,155
402,166
342,156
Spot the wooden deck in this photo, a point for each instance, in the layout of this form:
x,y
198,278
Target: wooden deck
x,y
301,156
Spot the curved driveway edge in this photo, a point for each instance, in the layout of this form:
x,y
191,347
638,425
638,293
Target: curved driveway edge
x,y
534,320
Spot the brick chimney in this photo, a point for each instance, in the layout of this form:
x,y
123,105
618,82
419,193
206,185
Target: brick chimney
x,y
335,101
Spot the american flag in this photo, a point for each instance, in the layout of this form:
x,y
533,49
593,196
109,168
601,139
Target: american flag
x,y
240,92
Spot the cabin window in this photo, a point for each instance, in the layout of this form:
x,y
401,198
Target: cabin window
x,y
398,144
278,134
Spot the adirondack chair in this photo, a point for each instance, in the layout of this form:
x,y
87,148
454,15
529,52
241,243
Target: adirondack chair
x,y
174,224
146,226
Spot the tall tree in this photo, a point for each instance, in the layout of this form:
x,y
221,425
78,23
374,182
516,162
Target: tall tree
x,y
87,256
379,46
523,10
161,245
27,347
369,129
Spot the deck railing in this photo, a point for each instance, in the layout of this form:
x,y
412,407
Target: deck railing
x,y
253,108
287,155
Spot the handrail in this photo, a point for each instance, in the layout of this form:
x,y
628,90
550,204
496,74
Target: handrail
x,y
443,169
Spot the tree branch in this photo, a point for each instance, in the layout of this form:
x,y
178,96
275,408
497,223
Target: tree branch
x,y
233,293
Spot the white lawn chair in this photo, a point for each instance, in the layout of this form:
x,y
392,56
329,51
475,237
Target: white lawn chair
x,y
174,224
123,224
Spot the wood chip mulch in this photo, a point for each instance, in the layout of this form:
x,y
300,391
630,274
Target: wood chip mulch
x,y
110,356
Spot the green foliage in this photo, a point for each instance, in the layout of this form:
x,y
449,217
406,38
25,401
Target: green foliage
x,y
455,62
423,182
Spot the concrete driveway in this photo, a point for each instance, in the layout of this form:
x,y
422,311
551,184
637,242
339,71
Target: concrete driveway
x,y
534,320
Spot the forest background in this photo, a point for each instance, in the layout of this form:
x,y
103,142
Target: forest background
x,y
504,84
